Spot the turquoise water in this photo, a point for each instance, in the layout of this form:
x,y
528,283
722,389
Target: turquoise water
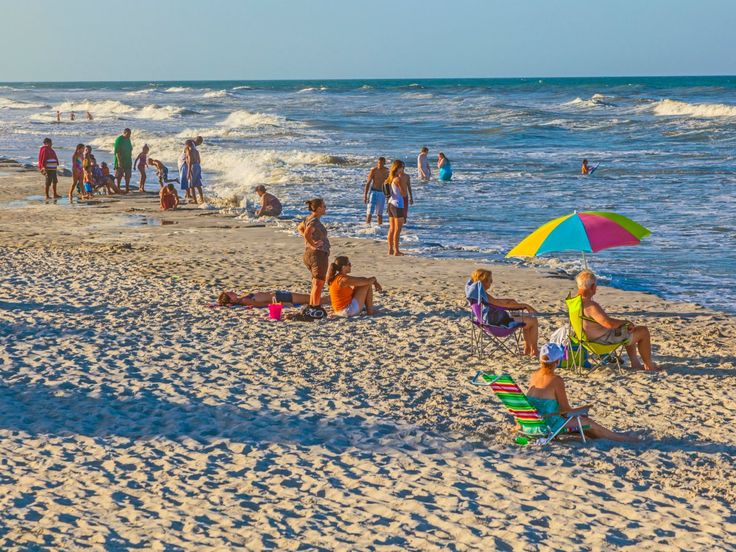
x,y
665,148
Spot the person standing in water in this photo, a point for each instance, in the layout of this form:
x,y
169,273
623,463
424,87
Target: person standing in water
x,y
48,164
316,255
395,207
423,170
443,165
373,195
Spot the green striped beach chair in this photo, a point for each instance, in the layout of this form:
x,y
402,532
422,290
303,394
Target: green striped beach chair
x,y
532,424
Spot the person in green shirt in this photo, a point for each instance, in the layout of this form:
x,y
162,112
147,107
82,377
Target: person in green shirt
x,y
123,152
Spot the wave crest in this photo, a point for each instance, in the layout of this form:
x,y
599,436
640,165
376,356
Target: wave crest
x,y
674,108
242,118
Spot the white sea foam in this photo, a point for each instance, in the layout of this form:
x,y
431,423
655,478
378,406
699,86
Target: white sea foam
x,y
143,92
314,89
178,89
8,103
242,118
674,108
596,100
216,94
114,109
417,95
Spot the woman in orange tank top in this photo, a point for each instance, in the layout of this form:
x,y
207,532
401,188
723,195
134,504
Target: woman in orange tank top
x,y
349,294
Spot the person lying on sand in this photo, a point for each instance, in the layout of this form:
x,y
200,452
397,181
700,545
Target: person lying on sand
x,y
349,294
264,298
547,394
477,289
601,328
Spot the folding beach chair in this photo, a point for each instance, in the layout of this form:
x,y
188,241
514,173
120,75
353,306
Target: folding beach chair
x,y
599,353
486,339
532,424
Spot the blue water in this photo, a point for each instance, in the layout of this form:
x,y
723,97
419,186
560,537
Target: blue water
x,y
665,148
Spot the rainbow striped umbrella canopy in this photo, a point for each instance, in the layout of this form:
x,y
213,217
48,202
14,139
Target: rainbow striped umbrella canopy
x,y
589,232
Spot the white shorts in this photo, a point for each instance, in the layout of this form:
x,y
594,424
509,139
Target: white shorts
x,y
351,310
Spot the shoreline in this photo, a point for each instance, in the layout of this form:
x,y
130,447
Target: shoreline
x,y
131,414
379,244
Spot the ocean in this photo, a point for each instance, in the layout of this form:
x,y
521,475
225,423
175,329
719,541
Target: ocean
x,y
665,146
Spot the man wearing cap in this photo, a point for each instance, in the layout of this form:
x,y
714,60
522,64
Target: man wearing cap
x,y
270,205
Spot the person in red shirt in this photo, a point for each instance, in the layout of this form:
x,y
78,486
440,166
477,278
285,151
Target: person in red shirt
x,y
48,164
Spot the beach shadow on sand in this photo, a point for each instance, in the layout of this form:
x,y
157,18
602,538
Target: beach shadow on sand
x,y
64,410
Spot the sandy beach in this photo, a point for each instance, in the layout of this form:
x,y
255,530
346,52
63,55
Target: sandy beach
x,y
134,416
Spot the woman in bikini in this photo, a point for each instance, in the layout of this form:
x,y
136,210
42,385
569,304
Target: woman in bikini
x,y
264,298
547,394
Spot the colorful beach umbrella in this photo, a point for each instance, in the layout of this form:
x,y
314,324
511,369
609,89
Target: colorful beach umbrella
x,y
588,232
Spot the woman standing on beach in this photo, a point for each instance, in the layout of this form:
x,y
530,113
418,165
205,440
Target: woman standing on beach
x,y
316,254
396,206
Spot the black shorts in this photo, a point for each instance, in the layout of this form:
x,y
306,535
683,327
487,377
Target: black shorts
x,y
395,212
283,297
51,177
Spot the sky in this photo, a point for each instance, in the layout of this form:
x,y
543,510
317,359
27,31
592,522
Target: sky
x,y
159,40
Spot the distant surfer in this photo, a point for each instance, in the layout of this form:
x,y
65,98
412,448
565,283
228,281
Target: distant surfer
x,y
72,116
586,169
58,116
89,116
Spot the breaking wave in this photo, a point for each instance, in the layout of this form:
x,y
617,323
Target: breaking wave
x,y
674,108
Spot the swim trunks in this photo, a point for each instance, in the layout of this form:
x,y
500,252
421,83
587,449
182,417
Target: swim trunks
x,y
613,336
351,310
51,177
376,202
183,177
196,176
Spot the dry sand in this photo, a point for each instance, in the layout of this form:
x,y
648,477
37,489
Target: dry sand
x,y
132,416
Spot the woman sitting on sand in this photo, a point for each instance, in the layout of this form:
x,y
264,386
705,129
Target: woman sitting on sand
x,y
349,294
477,290
265,298
547,394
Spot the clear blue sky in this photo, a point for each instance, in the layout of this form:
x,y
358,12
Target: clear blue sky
x,y
44,40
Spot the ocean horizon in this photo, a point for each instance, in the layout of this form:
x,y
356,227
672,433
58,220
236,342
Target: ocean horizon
x,y
664,146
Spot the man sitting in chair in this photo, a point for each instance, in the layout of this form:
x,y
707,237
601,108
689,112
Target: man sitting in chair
x,y
601,328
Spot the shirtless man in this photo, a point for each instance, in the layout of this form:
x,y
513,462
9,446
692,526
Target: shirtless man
x,y
194,169
374,186
423,170
601,328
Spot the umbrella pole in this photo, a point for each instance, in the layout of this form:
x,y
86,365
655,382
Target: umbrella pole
x,y
585,261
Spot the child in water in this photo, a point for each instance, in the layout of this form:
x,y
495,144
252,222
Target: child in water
x,y
140,164
585,169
